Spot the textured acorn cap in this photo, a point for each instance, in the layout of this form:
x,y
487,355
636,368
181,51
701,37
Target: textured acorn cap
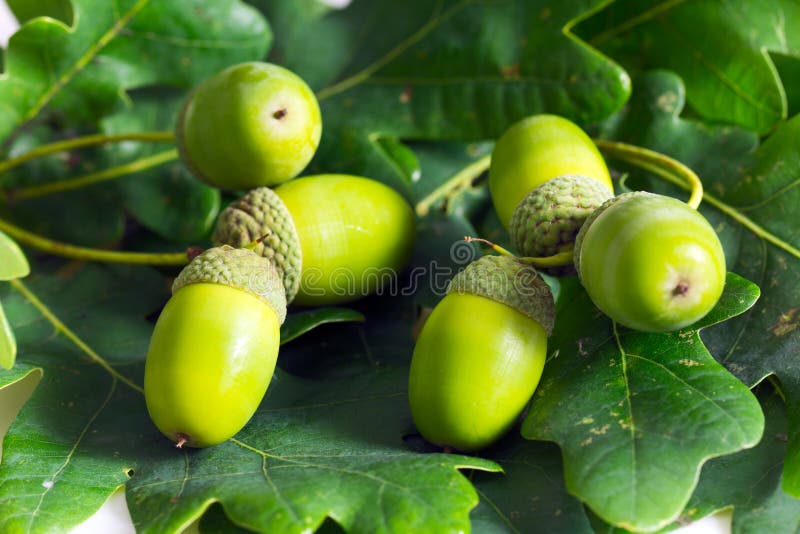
x,y
507,281
624,197
238,268
258,214
547,220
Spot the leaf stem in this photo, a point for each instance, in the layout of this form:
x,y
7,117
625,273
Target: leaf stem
x,y
665,167
675,173
93,178
62,329
83,142
557,260
751,225
91,254
458,181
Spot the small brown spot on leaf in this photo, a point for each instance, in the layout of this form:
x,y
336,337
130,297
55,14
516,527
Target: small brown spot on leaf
x,y
510,72
405,96
788,322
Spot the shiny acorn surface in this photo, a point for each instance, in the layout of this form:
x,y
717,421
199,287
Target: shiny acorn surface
x,y
355,233
651,262
535,150
211,358
475,366
250,125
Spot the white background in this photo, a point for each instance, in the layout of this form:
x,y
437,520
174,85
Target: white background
x,y
113,517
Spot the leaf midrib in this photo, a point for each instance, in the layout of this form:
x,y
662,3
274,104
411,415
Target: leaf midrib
x,y
84,59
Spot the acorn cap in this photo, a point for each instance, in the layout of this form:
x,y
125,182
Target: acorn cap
x,y
547,220
238,268
624,197
262,214
507,281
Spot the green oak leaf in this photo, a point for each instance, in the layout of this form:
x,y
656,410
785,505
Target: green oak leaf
x,y
24,10
306,456
93,213
530,496
297,324
749,481
761,185
166,198
727,67
81,71
85,432
637,414
448,69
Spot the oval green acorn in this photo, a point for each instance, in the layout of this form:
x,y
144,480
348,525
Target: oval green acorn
x,y
214,347
535,150
250,125
650,262
480,354
335,237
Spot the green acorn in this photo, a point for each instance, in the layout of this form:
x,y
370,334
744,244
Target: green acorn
x,y
480,354
214,346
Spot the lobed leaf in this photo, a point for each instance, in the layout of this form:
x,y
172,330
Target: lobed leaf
x,y
637,414
82,70
759,184
728,68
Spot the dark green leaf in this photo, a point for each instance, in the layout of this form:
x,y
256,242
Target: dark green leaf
x,y
729,76
167,199
297,324
24,10
93,213
760,185
624,405
82,71
530,495
749,481
450,69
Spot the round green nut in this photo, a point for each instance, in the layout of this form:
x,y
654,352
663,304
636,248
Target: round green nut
x,y
480,354
650,262
355,234
249,125
214,347
535,150
547,220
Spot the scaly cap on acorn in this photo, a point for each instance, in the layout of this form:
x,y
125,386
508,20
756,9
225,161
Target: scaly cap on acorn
x,y
547,220
238,268
507,281
576,256
262,214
